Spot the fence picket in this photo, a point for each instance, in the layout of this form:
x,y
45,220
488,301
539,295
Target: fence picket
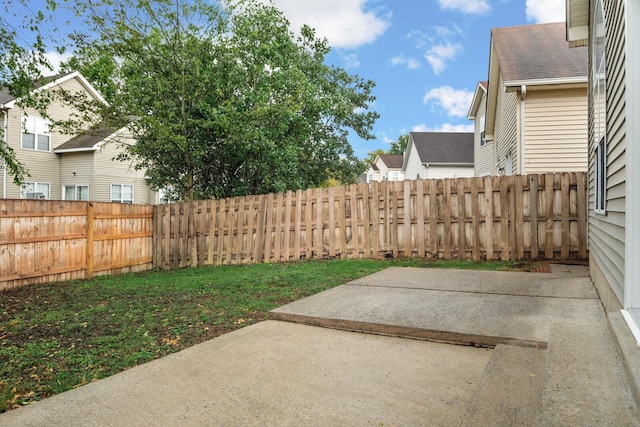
x,y
536,216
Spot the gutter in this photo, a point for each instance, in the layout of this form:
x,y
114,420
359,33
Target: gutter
x,y
515,85
446,164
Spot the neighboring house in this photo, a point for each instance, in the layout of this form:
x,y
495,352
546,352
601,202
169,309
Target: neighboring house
x,y
482,149
610,30
536,109
385,167
67,167
438,155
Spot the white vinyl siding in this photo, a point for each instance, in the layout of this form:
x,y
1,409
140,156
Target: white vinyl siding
x,y
108,170
483,153
556,131
44,166
506,133
607,232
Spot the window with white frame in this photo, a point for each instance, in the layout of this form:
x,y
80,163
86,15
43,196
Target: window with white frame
x,y
76,192
481,119
34,190
35,134
598,39
122,193
393,176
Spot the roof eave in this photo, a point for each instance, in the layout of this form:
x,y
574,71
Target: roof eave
x,y
577,13
76,150
492,92
515,85
447,164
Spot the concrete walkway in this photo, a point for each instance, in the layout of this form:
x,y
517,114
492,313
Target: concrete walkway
x,y
554,361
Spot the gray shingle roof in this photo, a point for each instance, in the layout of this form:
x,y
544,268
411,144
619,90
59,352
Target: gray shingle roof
x,y
537,52
444,147
86,140
392,161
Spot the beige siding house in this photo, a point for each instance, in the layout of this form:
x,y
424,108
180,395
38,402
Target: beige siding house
x,y
536,108
610,30
62,166
385,167
482,149
438,155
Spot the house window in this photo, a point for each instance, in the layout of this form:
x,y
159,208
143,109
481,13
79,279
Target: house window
x,y
34,190
598,39
164,197
122,193
370,177
393,176
482,121
36,134
76,192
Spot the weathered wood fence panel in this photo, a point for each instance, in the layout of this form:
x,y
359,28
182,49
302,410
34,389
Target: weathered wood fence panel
x,y
507,217
47,241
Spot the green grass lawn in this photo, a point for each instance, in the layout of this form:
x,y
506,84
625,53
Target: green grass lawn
x,y
58,336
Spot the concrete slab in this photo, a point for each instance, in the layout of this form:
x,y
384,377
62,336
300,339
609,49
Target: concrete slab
x,y
276,373
585,382
450,306
559,285
510,392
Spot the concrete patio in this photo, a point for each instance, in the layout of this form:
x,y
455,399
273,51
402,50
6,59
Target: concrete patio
x,y
405,346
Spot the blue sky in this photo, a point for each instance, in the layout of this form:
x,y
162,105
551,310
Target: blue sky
x,y
426,56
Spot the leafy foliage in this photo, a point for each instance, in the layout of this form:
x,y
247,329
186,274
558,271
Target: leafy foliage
x,y
23,62
222,100
398,147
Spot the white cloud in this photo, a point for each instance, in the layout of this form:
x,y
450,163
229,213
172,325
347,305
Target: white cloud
x,y
466,6
439,47
345,23
410,63
541,11
350,59
455,102
439,54
446,127
55,59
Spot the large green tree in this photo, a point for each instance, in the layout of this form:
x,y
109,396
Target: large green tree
x,y
222,99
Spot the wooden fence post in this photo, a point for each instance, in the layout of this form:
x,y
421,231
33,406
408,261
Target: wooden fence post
x,y
89,239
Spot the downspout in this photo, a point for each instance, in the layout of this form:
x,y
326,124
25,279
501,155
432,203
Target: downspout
x,y
5,126
523,95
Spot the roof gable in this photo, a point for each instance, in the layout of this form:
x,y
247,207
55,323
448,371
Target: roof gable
x,y
46,83
443,147
481,90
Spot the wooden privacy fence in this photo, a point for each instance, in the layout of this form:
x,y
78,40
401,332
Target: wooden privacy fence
x,y
507,217
47,241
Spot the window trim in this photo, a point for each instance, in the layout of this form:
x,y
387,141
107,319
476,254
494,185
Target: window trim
x,y
599,94
23,193
64,191
121,200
